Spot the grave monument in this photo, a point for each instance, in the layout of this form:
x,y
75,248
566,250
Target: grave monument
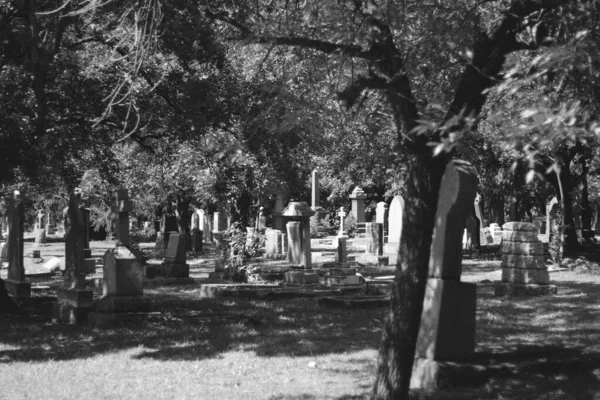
x,y
74,302
447,330
394,225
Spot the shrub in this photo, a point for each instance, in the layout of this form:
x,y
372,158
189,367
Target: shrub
x,y
350,225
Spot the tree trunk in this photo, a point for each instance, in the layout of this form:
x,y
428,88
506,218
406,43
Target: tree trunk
x,y
396,353
182,214
7,304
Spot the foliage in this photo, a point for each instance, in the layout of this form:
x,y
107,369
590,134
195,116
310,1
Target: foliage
x,y
350,225
323,227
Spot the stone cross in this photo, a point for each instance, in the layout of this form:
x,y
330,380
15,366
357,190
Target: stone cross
x,y
341,214
315,189
40,216
74,244
124,207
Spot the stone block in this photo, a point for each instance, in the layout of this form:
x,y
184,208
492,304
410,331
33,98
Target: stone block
x,y
77,298
523,248
174,270
523,262
17,289
176,249
123,273
447,330
522,289
515,275
520,226
300,277
87,253
520,236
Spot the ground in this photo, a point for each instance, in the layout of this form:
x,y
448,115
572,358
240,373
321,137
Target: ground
x,y
240,348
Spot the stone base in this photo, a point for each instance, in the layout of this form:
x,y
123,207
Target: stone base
x,y
526,276
18,289
342,280
300,277
218,275
391,247
521,289
73,305
380,261
116,304
447,330
174,270
429,375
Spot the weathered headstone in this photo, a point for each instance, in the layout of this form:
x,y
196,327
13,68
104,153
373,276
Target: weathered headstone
x,y
15,283
123,268
524,270
447,330
49,226
395,225
74,301
357,197
374,236
341,250
485,237
196,231
175,265
261,220
275,243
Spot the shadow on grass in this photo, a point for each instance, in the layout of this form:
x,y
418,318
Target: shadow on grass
x,y
195,329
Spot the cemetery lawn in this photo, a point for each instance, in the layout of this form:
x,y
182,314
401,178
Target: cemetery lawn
x,y
236,348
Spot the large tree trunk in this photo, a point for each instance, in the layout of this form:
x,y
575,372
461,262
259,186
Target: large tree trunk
x,y
396,353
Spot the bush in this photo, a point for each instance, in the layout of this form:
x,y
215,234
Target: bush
x,y
238,247
324,227
143,235
350,225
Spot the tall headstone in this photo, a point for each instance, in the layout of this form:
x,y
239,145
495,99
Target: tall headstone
x,y
49,225
219,226
357,197
447,329
74,302
485,236
40,231
15,283
395,225
278,220
374,236
316,202
196,231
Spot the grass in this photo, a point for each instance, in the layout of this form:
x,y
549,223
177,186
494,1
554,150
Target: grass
x,y
236,348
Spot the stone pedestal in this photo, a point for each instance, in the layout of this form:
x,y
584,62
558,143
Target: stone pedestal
x,y
89,265
374,236
73,305
301,277
524,270
341,250
298,233
50,229
40,236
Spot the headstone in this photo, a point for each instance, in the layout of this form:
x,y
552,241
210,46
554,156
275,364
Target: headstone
x,y
278,222
524,270
15,283
496,232
275,243
395,225
341,250
175,265
219,227
74,302
196,225
342,215
484,239
447,329
358,204
49,226
123,268
549,222
316,202
261,220
555,231
40,219
40,236
374,236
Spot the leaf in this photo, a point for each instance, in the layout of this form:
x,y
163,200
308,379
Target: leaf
x,y
529,113
530,175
